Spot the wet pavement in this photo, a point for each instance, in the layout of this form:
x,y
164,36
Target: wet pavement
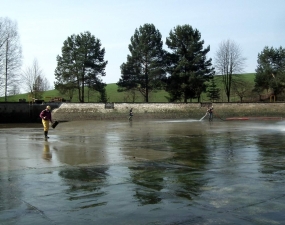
x,y
143,172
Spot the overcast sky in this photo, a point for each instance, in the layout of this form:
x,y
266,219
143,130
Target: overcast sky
x,y
44,25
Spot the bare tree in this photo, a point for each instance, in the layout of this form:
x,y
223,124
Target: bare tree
x,y
15,90
242,88
46,85
3,40
10,54
35,83
229,61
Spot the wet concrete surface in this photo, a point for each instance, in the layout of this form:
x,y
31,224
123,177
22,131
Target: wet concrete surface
x,y
143,172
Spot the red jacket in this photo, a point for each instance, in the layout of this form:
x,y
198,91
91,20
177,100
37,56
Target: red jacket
x,y
45,115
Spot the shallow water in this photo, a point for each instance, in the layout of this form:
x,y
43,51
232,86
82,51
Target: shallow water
x,y
144,172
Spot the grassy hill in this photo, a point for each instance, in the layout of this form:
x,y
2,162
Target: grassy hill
x,y
114,96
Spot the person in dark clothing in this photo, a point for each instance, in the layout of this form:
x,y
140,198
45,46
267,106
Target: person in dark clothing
x,y
131,114
210,111
46,119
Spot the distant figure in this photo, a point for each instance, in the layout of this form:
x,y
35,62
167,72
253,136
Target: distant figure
x,y
131,114
46,119
210,111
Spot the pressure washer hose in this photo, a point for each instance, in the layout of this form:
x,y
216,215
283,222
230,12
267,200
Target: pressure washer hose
x,y
219,117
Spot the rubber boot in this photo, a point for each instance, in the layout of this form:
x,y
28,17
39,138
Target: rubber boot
x,y
46,133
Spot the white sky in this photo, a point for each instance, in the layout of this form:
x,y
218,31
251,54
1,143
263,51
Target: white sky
x,y
45,24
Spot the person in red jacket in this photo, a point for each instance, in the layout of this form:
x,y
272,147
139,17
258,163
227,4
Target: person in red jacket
x,y
46,119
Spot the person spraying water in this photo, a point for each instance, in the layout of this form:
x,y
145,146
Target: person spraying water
x,y
210,113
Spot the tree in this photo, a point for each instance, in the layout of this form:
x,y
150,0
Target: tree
x,y
10,55
187,64
67,89
241,88
14,90
213,92
229,61
143,70
81,65
270,71
130,95
34,81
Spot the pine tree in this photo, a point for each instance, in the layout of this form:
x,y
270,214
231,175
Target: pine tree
x,y
143,70
188,65
270,72
213,93
80,65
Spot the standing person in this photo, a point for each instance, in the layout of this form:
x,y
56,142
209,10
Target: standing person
x,y
210,111
131,114
46,119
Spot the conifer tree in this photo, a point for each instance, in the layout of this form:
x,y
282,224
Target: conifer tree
x,y
213,93
270,71
143,70
81,65
188,65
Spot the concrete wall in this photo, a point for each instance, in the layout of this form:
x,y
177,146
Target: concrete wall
x,y
81,111
21,112
24,112
77,111
250,109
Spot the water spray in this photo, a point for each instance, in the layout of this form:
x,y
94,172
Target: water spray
x,y
204,116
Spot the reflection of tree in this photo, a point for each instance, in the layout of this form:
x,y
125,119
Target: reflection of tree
x,y
190,150
85,183
158,182
150,182
181,176
271,151
88,175
189,181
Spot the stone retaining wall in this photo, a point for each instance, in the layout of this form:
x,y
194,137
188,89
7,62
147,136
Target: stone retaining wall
x,y
24,112
81,111
97,111
250,109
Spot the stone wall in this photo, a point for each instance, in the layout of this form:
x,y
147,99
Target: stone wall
x,y
24,112
97,111
81,111
250,109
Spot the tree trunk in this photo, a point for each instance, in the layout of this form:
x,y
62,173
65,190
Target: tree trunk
x,y
6,70
146,84
82,87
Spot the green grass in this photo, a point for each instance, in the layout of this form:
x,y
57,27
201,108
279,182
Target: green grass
x,y
114,96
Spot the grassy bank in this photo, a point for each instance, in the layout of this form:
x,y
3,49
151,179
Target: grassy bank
x,y
114,96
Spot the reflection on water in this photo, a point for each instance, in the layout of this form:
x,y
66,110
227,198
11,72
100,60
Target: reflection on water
x,y
147,172
272,153
157,182
85,186
46,152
